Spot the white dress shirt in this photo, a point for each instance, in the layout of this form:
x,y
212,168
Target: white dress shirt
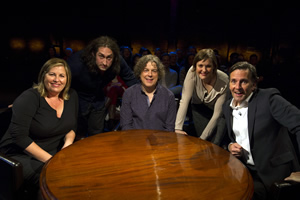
x,y
240,128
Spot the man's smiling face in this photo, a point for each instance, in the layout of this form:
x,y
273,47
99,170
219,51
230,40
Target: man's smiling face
x,y
241,85
149,76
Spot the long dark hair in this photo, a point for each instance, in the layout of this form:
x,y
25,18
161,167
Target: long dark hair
x,y
89,53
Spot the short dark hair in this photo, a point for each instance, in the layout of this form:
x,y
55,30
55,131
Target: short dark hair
x,y
244,65
205,54
89,54
165,54
253,55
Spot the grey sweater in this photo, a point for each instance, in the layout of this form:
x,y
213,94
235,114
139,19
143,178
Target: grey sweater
x,y
194,89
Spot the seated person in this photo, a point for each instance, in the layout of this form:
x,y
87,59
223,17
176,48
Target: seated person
x,y
170,80
173,62
185,67
148,105
254,118
44,121
126,53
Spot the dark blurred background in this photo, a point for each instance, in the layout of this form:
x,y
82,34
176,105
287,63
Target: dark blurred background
x,y
266,28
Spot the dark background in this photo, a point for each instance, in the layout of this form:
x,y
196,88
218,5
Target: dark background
x,y
268,28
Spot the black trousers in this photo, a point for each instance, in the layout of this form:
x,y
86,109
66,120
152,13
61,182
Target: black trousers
x,y
91,122
260,191
31,171
201,116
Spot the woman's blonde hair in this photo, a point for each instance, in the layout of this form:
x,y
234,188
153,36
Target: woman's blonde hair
x,y
53,62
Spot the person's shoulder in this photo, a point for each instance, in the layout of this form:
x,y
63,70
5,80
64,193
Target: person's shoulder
x,y
173,71
222,76
165,91
183,70
265,94
75,60
72,92
191,73
131,92
30,93
133,88
122,60
75,56
222,82
27,97
267,91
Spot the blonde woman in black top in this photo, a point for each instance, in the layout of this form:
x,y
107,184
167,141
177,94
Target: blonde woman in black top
x,y
44,121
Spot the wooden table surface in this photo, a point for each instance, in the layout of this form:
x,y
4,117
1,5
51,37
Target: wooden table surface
x,y
145,164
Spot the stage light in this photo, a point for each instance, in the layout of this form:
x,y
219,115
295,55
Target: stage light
x,y
76,45
17,43
36,45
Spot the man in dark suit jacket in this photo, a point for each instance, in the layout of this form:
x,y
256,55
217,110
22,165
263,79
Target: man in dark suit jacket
x,y
255,119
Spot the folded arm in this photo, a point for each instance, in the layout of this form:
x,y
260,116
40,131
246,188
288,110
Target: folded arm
x,y
69,139
37,152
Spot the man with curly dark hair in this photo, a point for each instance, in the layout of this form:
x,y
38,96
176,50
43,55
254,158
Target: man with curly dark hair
x,y
148,105
92,69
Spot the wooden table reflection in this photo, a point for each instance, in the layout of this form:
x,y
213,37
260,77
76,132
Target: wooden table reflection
x,y
145,164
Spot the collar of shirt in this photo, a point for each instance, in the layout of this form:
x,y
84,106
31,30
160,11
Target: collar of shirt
x,y
244,104
143,92
157,88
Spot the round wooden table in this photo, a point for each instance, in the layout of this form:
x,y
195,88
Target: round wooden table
x,y
145,164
